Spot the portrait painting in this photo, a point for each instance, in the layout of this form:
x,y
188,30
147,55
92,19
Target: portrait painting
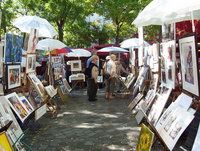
x,y
13,48
189,66
17,106
145,140
30,63
13,75
32,41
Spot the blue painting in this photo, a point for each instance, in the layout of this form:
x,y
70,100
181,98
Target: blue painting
x,y
13,48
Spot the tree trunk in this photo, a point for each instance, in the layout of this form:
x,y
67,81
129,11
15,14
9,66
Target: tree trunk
x,y
117,35
60,25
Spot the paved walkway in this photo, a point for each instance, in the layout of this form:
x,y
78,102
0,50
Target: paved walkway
x,y
87,126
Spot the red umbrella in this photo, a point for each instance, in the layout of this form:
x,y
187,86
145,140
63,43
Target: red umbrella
x,y
61,51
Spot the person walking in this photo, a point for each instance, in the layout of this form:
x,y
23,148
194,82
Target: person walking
x,y
92,85
110,82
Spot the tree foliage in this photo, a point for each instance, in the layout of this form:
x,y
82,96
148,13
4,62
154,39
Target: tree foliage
x,y
68,18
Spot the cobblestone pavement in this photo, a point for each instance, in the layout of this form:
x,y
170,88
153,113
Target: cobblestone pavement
x,y
86,126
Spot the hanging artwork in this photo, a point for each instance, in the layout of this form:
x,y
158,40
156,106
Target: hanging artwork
x,y
189,66
168,59
32,41
13,72
145,139
30,63
4,142
18,107
13,48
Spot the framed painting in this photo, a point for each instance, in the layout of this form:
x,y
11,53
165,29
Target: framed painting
x,y
14,131
168,64
37,84
17,106
27,104
4,143
13,72
189,66
76,65
13,48
66,85
32,41
145,140
30,63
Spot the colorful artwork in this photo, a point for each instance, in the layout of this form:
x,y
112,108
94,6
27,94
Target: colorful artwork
x,y
13,48
4,142
17,106
30,65
145,139
32,41
14,75
14,131
37,84
189,66
27,105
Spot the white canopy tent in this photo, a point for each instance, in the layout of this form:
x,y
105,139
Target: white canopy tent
x,y
159,12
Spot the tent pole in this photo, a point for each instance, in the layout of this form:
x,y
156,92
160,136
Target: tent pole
x,y
193,26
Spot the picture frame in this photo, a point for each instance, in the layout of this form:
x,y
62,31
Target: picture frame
x,y
189,65
4,142
37,84
14,131
30,63
17,106
168,68
76,65
13,72
13,48
145,140
172,124
66,85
